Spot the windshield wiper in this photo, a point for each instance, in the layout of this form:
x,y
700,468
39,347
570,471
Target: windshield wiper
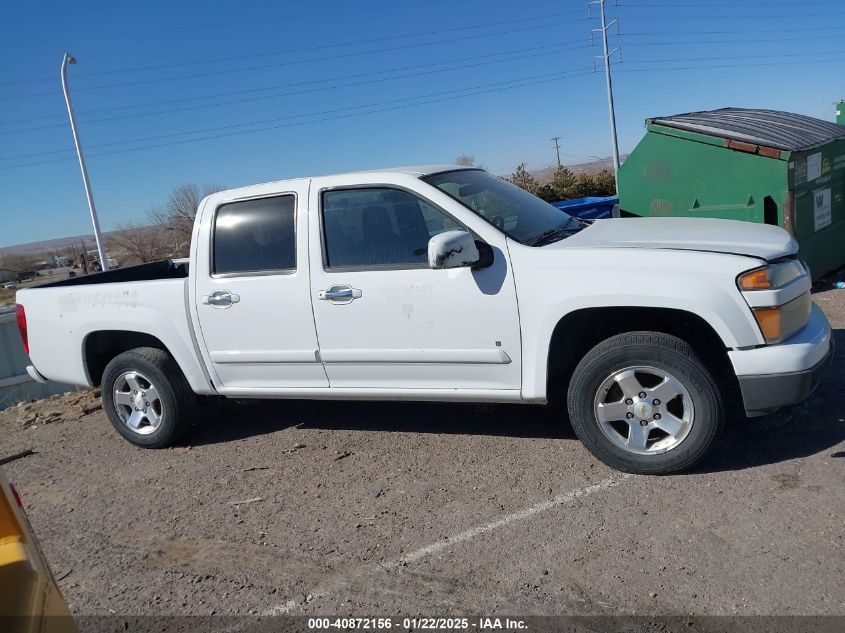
x,y
548,236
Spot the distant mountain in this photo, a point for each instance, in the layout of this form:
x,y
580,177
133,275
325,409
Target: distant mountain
x,y
48,246
546,174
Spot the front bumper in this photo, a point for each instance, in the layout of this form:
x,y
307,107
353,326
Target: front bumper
x,y
769,392
799,362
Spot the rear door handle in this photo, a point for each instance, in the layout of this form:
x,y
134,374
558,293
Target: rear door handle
x,y
221,299
342,293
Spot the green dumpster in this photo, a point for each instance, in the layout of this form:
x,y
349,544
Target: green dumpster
x,y
740,164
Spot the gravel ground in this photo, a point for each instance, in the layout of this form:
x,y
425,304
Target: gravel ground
x,y
389,509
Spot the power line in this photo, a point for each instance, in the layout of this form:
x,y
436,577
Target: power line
x,y
300,49
557,77
550,49
727,57
635,61
688,42
397,37
711,66
293,116
283,86
294,62
524,83
757,16
734,32
727,5
196,27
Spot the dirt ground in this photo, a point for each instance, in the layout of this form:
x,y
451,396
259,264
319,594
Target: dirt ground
x,y
393,509
7,296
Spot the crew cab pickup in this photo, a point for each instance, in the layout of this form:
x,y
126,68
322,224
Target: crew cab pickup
x,y
445,284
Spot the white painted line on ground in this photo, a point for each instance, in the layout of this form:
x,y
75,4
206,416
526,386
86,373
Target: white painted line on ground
x,y
519,515
466,535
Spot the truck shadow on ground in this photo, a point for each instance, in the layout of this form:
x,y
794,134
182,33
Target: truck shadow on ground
x,y
268,416
812,427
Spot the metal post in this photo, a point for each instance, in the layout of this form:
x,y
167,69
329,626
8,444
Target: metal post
x,y
557,147
104,264
607,55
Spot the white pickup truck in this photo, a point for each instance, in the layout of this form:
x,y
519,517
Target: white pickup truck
x,y
445,284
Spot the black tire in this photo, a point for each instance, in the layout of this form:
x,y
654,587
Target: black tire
x,y
666,353
176,398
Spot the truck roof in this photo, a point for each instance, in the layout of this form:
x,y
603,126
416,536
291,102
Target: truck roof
x,y
414,170
411,170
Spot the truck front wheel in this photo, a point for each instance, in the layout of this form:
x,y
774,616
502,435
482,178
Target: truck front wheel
x,y
147,398
644,403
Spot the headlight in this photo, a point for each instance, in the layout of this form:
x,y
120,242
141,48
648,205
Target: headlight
x,y
771,277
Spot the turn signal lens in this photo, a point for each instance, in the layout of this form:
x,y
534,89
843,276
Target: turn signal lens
x,y
756,280
770,322
771,277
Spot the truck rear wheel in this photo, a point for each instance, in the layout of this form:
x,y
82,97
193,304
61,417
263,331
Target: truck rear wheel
x,y
147,398
644,403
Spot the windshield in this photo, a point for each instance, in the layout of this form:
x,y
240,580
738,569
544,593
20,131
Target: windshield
x,y
514,211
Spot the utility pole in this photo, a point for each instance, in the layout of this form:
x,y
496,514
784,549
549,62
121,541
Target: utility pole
x,y
557,148
606,56
104,264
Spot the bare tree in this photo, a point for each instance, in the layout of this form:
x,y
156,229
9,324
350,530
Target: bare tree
x,y
465,160
16,263
178,212
80,255
141,243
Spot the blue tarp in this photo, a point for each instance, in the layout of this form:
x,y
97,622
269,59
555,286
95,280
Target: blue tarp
x,y
589,208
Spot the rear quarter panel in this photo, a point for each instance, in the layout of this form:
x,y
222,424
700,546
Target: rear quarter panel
x,y
60,319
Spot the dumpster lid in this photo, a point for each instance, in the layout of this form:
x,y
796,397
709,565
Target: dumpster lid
x,y
781,130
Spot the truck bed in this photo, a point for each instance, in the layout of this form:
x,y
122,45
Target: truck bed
x,y
163,269
151,299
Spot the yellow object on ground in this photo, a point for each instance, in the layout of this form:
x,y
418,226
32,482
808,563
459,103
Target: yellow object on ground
x,y
30,601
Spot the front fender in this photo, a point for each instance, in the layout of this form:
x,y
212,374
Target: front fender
x,y
702,284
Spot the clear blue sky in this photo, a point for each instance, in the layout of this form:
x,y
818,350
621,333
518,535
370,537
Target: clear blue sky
x,y
383,83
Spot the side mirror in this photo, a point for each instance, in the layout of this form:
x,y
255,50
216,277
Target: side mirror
x,y
452,249
458,249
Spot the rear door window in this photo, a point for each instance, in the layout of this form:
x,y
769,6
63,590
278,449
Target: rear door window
x,y
255,236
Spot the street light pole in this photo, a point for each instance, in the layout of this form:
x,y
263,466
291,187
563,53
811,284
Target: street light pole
x,y
104,264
